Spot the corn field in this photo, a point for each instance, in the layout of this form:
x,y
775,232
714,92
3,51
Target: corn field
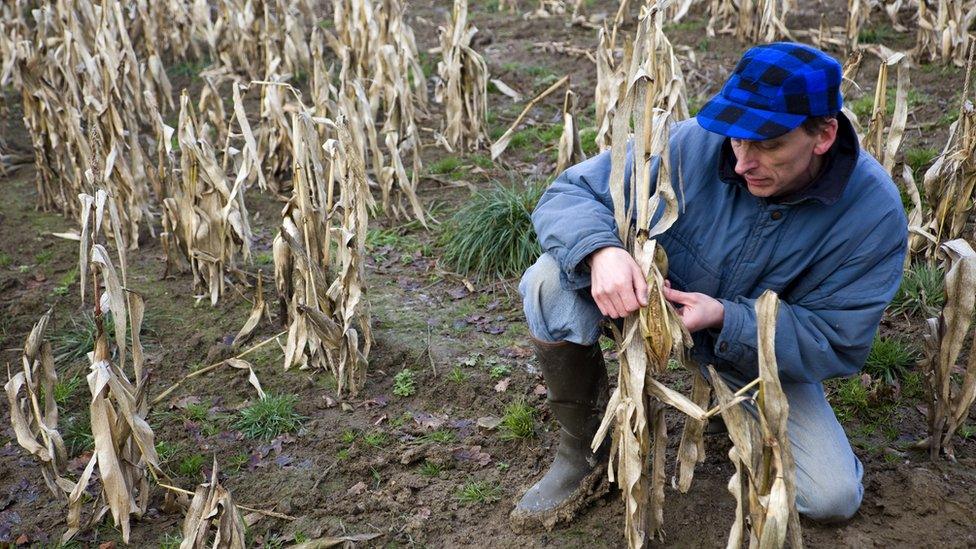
x,y
230,316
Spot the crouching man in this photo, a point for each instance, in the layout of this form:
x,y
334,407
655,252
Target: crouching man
x,y
774,194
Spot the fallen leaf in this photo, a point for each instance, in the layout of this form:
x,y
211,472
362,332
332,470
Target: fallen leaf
x,y
474,454
429,421
540,390
357,489
502,385
489,422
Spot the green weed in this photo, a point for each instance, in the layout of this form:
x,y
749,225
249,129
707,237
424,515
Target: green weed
x,y
44,257
264,258
922,291
457,375
588,141
343,454
493,235
479,491
376,439
440,436
348,436
404,384
499,371
445,165
5,259
918,159
77,434
196,412
166,450
851,399
190,465
66,388
170,541
270,417
864,105
518,421
890,359
880,34
238,461
430,469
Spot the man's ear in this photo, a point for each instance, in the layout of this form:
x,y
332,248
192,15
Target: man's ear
x,y
825,137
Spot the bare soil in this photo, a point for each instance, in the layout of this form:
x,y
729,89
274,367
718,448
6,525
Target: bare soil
x,y
359,466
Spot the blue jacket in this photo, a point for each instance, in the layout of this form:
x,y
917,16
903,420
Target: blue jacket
x,y
833,252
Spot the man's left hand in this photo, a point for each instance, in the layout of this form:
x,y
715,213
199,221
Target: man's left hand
x,y
697,311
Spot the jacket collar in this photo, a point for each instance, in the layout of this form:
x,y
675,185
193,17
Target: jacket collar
x,y
829,184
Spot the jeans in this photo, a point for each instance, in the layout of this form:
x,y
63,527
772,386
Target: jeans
x,y
828,474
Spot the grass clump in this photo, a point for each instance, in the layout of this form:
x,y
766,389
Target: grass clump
x,y
851,399
518,421
404,384
376,439
922,291
440,436
348,436
479,491
881,34
864,105
493,235
270,417
190,465
445,165
920,158
890,359
66,388
588,141
77,434
457,375
430,469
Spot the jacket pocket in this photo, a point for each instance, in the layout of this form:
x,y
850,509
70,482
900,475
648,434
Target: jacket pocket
x,y
686,269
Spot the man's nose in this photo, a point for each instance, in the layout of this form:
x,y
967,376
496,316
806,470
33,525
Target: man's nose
x,y
745,161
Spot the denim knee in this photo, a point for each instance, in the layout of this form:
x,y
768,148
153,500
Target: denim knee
x,y
833,502
554,313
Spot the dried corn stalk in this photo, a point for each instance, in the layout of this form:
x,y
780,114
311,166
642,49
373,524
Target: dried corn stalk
x,y
609,79
328,320
570,150
205,222
944,34
882,140
950,183
213,513
762,20
950,400
34,415
463,83
651,337
852,65
764,483
124,448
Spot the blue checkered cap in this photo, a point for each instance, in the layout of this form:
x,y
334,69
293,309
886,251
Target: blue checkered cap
x,y
772,90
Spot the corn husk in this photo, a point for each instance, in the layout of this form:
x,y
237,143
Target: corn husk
x,y
950,400
882,139
764,483
213,513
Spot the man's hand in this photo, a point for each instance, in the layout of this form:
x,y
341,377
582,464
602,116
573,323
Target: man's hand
x,y
697,311
617,285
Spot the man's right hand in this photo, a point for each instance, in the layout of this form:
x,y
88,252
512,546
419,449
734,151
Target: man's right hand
x,y
617,284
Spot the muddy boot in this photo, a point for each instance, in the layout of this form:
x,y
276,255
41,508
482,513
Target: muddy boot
x,y
577,380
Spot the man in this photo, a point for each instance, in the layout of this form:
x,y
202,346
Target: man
x,y
774,194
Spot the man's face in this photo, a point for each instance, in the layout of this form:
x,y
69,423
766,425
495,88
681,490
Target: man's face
x,y
780,166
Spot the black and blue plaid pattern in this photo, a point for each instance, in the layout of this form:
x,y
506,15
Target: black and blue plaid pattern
x,y
772,90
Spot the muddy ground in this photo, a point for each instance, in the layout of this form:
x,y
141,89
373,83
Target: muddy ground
x,y
394,466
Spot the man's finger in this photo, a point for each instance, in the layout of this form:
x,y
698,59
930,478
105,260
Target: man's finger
x,y
676,296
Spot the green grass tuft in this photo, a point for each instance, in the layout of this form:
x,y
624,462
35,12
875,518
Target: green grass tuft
x,y
880,34
922,291
270,417
430,469
890,359
445,165
457,375
376,439
66,388
518,421
440,436
919,159
493,234
77,434
499,371
190,465
863,105
479,491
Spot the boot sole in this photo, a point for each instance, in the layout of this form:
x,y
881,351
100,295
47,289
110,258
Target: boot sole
x,y
592,487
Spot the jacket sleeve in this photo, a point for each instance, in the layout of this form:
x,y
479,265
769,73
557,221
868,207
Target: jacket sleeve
x,y
574,217
829,331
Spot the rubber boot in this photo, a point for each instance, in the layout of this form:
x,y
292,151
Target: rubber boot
x,y
576,377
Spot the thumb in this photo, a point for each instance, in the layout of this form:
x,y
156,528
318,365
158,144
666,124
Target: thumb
x,y
640,286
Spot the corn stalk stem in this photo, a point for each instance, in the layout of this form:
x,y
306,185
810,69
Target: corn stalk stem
x,y
214,366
